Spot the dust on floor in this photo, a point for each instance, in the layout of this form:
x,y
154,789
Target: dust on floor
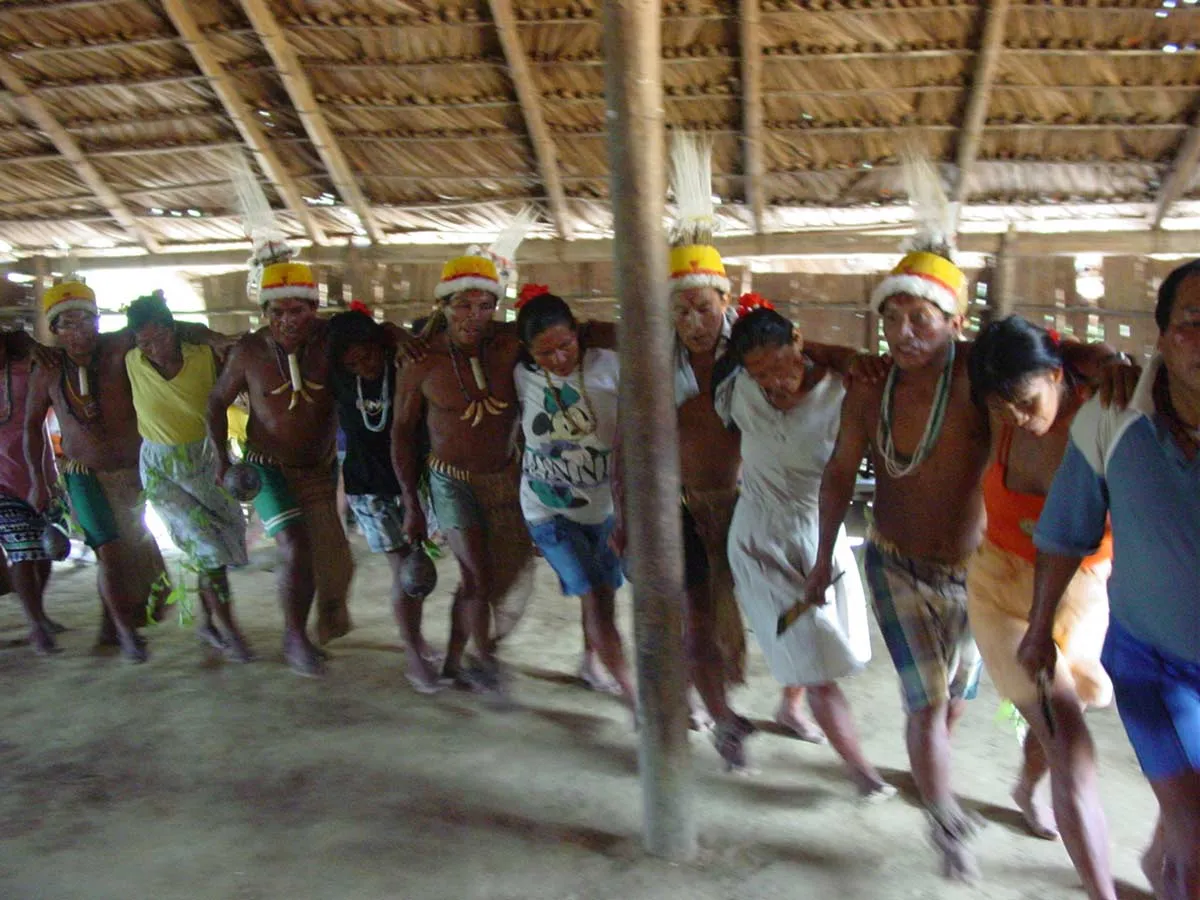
x,y
193,778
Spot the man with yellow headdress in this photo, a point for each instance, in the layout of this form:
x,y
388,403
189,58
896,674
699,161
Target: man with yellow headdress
x,y
710,456
91,394
291,441
929,442
462,392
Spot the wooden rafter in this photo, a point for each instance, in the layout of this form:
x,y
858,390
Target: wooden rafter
x,y
37,113
752,110
300,92
243,119
530,100
1183,169
981,85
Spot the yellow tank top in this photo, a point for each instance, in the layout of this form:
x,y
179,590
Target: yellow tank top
x,y
172,412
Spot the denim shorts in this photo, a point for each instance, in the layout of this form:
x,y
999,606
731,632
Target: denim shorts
x,y
1158,697
579,554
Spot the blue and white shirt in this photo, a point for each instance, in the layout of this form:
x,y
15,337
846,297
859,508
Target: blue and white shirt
x,y
1127,464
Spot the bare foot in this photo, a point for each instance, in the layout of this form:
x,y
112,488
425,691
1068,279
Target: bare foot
x,y
596,677
698,717
729,736
237,650
950,827
799,726
42,640
107,635
333,623
303,658
423,676
133,647
1039,818
208,634
53,627
871,787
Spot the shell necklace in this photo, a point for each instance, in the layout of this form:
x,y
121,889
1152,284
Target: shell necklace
x,y
884,441
369,408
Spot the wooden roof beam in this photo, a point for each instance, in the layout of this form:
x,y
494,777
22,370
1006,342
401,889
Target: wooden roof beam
x,y
977,102
300,91
1183,169
243,118
530,99
750,30
37,113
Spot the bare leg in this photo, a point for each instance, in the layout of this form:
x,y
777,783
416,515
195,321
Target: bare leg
x,y
601,626
591,670
1179,800
470,548
832,712
790,715
452,667
928,739
1075,790
1154,858
408,612
42,570
708,677
1034,766
296,589
29,585
117,604
218,600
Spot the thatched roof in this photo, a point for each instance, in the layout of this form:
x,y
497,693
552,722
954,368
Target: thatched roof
x,y
404,122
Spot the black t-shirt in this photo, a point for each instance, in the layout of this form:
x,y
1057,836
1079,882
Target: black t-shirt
x,y
368,466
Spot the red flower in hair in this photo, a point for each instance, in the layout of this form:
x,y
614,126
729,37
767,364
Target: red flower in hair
x,y
747,303
1055,337
529,292
359,306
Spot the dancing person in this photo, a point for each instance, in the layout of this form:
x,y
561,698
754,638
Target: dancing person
x,y
171,380
462,391
21,526
363,377
89,389
568,398
785,407
1141,467
284,369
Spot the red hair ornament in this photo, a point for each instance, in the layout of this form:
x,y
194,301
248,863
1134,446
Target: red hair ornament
x,y
748,303
529,292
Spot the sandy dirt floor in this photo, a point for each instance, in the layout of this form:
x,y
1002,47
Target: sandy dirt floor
x,y
194,778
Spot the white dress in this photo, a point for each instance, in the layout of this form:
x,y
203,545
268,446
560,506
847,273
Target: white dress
x,y
775,531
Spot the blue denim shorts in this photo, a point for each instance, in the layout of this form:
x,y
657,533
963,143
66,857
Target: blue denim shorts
x,y
1158,697
579,554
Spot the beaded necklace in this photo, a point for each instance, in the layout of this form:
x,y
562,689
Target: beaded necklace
x,y
294,376
884,440
369,408
87,402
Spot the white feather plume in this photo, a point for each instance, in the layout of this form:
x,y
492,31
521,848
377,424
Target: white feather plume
x,y
691,183
934,216
259,224
504,247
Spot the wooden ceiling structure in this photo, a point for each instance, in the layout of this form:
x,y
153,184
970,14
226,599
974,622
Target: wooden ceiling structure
x,y
384,122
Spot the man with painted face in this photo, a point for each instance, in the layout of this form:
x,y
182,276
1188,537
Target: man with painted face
x,y
90,391
710,457
171,380
462,390
364,378
284,368
930,444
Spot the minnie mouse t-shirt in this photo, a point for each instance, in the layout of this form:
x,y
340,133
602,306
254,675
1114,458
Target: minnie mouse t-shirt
x,y
567,464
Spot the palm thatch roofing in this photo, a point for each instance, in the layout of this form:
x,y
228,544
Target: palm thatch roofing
x,y
403,122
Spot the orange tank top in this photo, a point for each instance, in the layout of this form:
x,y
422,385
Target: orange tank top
x,y
1012,515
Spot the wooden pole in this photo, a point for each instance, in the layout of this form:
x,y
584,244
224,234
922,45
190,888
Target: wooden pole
x,y
650,441
41,283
